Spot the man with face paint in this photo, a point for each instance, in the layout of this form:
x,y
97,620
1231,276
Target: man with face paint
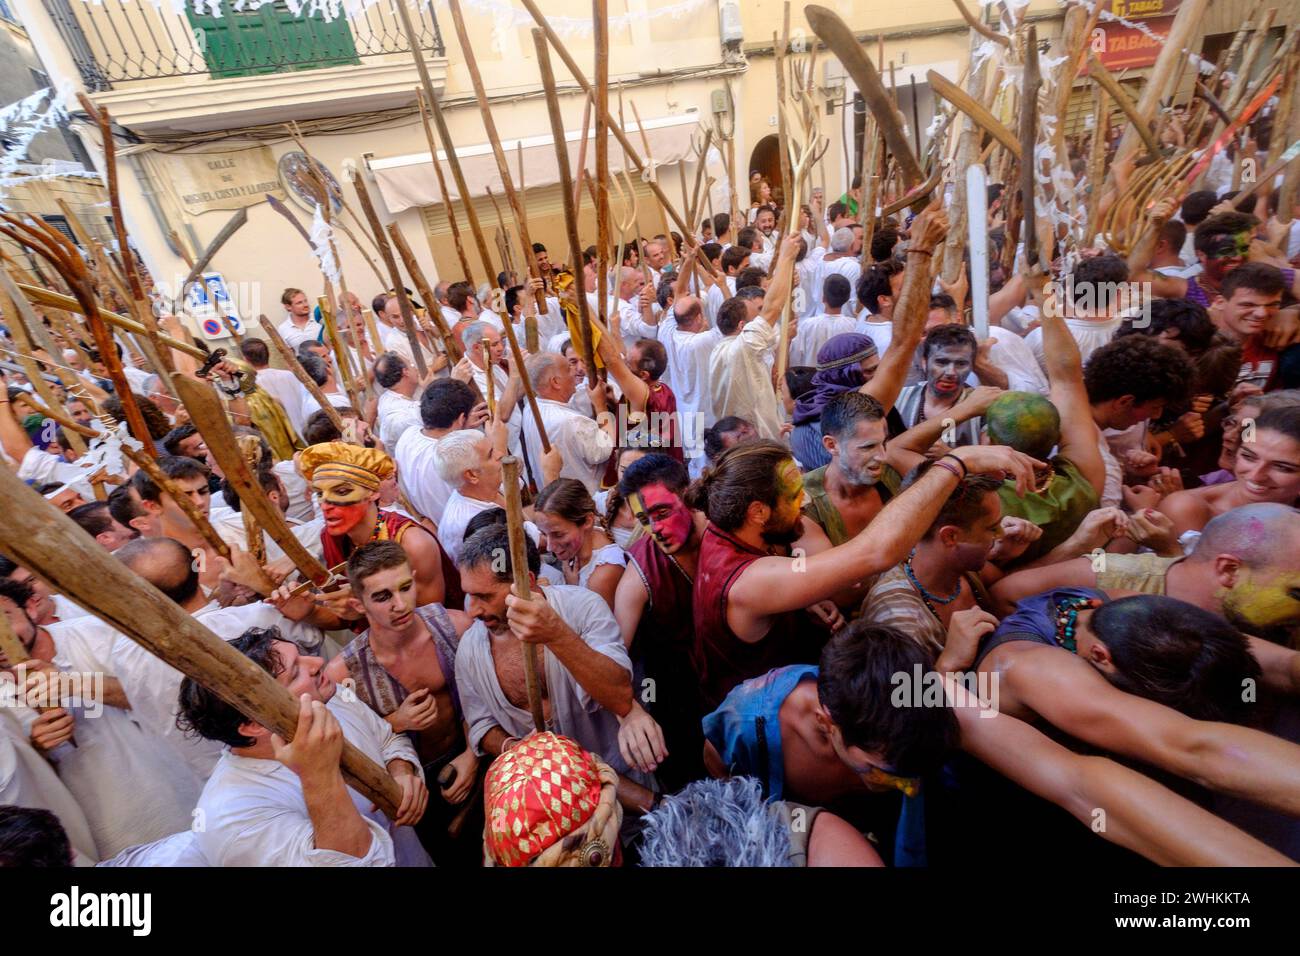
x,y
864,473
749,594
948,355
347,479
1147,678
653,605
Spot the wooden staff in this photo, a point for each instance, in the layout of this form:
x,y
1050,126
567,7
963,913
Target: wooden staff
x,y
490,127
780,48
1096,159
422,286
210,419
62,254
600,36
1098,72
448,147
1187,23
200,521
38,536
601,27
530,303
528,385
326,305
502,236
250,450
390,261
582,150
835,33
139,303
1028,139
1259,34
442,189
979,26
654,174
985,120
567,193
522,586
491,379
293,365
18,328
50,299
10,646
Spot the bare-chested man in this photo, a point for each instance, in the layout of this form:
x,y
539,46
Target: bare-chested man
x,y
404,668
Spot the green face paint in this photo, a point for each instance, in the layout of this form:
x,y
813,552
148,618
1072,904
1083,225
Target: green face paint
x,y
1264,601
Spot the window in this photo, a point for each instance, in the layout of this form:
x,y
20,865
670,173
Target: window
x,y
271,40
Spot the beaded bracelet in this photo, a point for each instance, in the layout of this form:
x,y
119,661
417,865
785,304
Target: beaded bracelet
x,y
948,468
964,470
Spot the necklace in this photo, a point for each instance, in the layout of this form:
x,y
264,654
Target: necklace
x,y
930,599
1067,620
1045,482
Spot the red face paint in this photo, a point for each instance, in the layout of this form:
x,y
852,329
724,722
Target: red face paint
x,y
340,519
669,519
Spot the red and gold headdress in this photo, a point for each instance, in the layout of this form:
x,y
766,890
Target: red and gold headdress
x,y
548,802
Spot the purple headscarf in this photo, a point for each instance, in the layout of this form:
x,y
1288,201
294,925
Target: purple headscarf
x,y
839,370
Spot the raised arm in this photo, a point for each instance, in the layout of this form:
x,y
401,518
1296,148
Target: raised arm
x,y
908,450
1071,695
774,585
1079,437
911,309
1137,812
778,291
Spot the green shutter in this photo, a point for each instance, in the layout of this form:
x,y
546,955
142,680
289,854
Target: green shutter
x,y
272,40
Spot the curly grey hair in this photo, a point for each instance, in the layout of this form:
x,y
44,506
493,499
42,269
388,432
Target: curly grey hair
x,y
716,823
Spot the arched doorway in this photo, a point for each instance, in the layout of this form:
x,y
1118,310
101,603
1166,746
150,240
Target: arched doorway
x,y
766,161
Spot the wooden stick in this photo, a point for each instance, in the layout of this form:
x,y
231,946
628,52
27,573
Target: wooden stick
x,y
12,648
18,328
1028,139
978,114
980,27
327,316
1098,72
458,176
503,237
491,379
522,586
654,174
210,419
38,536
250,449
490,126
781,48
447,207
50,299
390,261
149,466
600,37
1097,159
422,287
568,193
601,26
582,151
293,365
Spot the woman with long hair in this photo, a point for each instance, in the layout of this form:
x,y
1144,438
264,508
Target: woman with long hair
x,y
588,556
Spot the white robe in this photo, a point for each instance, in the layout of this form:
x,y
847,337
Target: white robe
x,y
740,377
417,474
28,780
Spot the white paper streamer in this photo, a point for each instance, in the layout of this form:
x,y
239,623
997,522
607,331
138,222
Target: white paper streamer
x,y
22,122
322,237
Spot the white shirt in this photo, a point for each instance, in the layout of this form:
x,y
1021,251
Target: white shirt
x,y
632,326
847,266
294,336
582,444
574,713
1013,355
688,372
740,380
1090,335
254,813
28,780
881,332
460,511
229,526
302,503
814,332
417,474
152,685
284,387
125,779
396,413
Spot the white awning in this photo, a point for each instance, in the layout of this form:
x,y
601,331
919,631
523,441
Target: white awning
x,y
409,180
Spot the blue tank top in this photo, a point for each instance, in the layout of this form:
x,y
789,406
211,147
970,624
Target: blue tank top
x,y
746,731
1034,619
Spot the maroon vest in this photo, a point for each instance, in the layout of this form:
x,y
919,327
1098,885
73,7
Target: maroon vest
x,y
723,660
668,618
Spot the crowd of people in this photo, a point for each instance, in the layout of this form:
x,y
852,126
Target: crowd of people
x,y
790,609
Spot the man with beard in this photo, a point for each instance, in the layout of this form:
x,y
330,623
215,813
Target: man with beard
x,y
403,667
845,495
948,355
748,593
653,606
583,671
347,479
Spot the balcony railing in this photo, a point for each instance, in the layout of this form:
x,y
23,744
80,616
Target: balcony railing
x,y
115,42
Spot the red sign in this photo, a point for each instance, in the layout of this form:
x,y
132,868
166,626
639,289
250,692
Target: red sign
x,y
1129,48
